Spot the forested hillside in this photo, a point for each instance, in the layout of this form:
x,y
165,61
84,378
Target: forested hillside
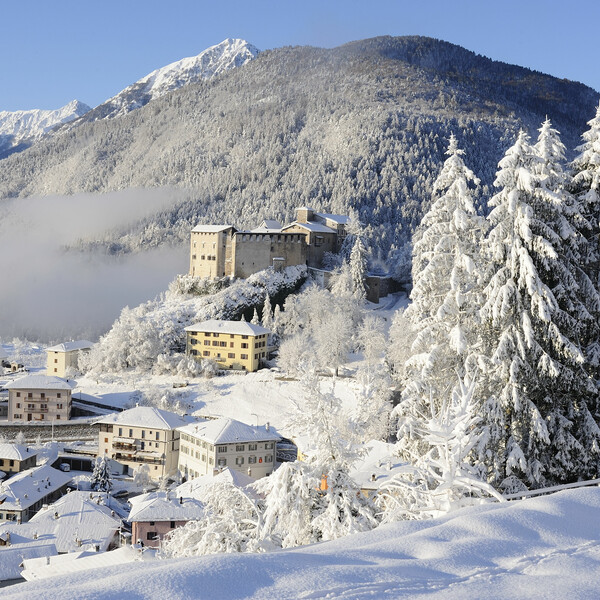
x,y
362,126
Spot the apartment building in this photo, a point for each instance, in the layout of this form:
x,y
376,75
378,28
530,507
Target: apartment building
x,y
212,445
39,398
231,344
143,435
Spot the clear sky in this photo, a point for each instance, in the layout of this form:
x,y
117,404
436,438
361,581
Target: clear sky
x,y
54,51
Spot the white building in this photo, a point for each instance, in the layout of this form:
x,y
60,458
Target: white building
x,y
212,445
16,457
39,398
143,435
65,356
24,494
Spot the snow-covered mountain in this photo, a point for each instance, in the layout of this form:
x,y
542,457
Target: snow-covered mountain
x,y
211,62
19,129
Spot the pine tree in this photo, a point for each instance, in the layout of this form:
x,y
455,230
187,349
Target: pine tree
x,y
255,320
101,479
358,267
267,314
445,300
586,188
533,365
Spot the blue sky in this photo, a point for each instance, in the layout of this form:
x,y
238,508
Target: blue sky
x,y
56,51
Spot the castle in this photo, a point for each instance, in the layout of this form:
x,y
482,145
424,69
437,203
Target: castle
x,y
223,250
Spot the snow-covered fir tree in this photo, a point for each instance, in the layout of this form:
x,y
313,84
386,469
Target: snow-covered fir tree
x,y
533,367
445,300
101,480
267,314
255,320
586,188
358,267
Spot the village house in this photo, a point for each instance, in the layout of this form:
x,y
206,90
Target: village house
x,y
25,493
143,435
39,398
65,356
231,344
77,521
155,514
15,458
209,446
224,251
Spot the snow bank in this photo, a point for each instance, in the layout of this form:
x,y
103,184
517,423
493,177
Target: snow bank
x,y
537,548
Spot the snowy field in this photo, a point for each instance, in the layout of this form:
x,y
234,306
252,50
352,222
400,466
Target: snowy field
x,y
546,547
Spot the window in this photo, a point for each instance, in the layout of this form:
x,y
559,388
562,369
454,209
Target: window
x,y
269,446
55,360
256,356
215,343
42,395
203,458
58,417
231,335
231,355
59,395
231,344
244,346
55,370
120,431
207,334
193,341
240,448
18,405
206,353
244,337
239,460
207,342
158,435
131,433
222,449
194,353
151,535
143,434
252,446
172,524
30,395
210,460
223,344
269,458
59,406
18,394
215,335
263,355
244,356
222,462
252,460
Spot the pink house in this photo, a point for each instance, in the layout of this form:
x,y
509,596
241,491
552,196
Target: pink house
x,y
155,514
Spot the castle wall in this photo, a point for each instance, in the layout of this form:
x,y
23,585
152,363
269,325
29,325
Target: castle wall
x,y
254,252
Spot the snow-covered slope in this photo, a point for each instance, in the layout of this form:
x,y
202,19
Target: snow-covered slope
x,y
546,547
22,127
211,62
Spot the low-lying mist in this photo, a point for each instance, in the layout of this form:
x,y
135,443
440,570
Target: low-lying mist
x,y
48,294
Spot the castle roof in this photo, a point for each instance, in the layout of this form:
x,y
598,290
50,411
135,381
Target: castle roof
x,y
211,228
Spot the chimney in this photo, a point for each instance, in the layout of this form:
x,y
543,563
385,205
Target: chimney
x,y
180,499
268,426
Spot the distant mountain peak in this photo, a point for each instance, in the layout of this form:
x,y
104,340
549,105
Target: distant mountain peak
x,y
213,61
21,128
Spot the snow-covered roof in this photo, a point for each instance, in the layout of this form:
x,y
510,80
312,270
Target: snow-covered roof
x,y
339,219
15,452
191,488
228,431
211,228
311,226
268,226
11,557
40,382
164,506
148,417
28,487
228,327
74,562
80,517
71,346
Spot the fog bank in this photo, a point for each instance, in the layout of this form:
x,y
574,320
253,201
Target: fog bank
x,y
49,294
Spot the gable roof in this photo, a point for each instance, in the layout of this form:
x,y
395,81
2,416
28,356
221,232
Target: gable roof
x,y
192,487
311,226
339,219
164,506
71,346
15,451
211,228
28,487
230,327
40,382
145,416
228,431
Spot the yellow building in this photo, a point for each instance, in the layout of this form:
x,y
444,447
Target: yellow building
x,y
231,344
64,356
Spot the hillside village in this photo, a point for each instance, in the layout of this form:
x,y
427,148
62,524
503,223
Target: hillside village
x,y
374,367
